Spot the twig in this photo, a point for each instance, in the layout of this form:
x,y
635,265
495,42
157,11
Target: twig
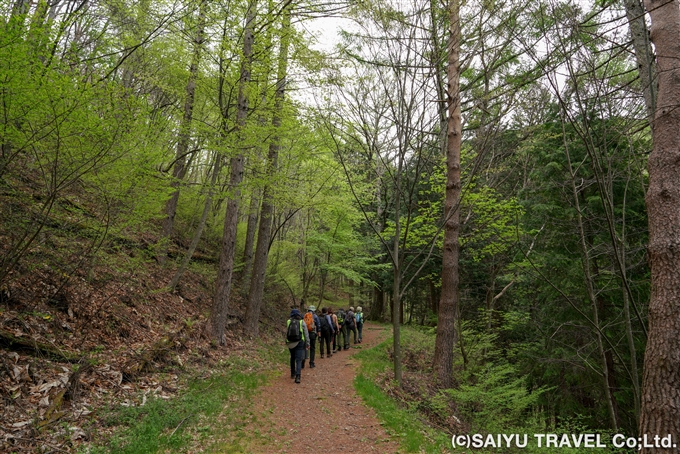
x,y
180,423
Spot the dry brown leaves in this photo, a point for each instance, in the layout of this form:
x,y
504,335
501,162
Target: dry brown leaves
x,y
51,405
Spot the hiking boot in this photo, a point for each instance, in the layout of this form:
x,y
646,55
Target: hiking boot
x,y
312,365
292,375
297,379
322,355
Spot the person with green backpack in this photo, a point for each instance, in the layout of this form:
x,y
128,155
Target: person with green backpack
x,y
297,341
342,331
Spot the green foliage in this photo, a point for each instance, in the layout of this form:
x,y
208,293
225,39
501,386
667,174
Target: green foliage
x,y
162,424
401,423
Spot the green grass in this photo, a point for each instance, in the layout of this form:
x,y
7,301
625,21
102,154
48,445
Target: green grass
x,y
399,422
171,425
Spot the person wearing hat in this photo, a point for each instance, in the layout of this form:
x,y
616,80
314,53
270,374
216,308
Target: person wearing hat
x,y
360,321
297,341
312,321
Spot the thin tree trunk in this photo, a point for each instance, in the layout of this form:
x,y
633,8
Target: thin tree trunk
x,y
350,293
448,302
179,167
660,409
378,305
253,216
201,225
585,257
218,316
635,13
396,280
434,301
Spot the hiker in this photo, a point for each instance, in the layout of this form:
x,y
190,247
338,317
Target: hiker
x,y
314,328
297,340
336,328
351,325
326,329
343,340
360,321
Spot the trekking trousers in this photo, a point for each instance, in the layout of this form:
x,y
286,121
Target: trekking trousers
x,y
297,355
312,346
342,337
325,337
360,327
354,330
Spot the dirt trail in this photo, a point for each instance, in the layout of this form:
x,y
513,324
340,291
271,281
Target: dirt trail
x,y
330,416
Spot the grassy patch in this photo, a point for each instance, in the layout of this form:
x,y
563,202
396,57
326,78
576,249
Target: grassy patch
x,y
413,434
173,425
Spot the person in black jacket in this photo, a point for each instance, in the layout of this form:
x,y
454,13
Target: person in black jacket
x,y
327,331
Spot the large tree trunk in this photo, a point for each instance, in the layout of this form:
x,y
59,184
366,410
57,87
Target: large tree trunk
x,y
660,406
448,302
179,167
218,315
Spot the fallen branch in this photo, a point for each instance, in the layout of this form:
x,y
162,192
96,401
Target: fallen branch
x,y
7,337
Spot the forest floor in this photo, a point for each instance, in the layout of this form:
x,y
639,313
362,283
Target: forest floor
x,y
321,414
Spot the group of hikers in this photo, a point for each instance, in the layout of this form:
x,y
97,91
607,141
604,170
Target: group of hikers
x,y
328,327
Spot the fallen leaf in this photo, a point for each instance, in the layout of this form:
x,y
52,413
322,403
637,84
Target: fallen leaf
x,y
17,373
77,433
20,424
48,386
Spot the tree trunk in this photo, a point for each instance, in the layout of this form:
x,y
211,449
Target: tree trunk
x,y
591,293
660,406
201,225
378,305
253,211
179,167
350,293
448,302
434,301
635,13
264,232
218,316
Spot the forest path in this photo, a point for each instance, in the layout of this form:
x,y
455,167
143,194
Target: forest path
x,y
322,414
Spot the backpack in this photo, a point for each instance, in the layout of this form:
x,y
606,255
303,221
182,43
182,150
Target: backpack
x,y
360,317
341,317
323,321
309,320
294,333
